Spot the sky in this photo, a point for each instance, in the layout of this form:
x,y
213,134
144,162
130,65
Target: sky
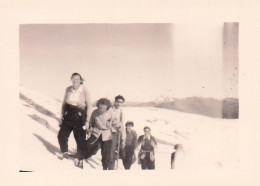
x,y
139,61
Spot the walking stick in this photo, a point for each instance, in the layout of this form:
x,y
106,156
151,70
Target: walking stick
x,y
118,148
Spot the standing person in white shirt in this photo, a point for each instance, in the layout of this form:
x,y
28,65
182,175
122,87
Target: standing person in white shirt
x,y
76,109
117,130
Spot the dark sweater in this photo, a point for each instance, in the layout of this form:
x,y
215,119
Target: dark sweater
x,y
146,144
131,138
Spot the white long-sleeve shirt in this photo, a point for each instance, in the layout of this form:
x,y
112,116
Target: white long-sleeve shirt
x,y
79,97
118,118
98,123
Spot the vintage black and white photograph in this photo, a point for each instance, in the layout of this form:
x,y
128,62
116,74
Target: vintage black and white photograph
x,y
139,96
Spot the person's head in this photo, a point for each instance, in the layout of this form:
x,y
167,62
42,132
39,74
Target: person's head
x,y
103,105
178,147
129,125
119,100
147,131
76,79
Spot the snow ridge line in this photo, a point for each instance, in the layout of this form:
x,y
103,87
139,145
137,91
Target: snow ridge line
x,y
47,112
38,107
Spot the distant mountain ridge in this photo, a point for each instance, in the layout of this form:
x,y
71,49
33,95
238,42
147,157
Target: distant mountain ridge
x,y
164,99
227,108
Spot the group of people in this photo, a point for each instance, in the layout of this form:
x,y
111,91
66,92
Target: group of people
x,y
103,128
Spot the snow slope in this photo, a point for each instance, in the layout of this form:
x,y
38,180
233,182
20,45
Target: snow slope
x,y
209,143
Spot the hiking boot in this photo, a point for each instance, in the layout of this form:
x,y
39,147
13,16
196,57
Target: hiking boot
x,y
80,164
73,155
65,155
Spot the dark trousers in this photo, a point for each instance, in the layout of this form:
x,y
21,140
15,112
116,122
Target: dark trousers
x,y
146,163
79,135
113,154
128,159
92,146
73,120
105,152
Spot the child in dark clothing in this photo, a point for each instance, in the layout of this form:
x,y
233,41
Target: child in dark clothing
x,y
130,143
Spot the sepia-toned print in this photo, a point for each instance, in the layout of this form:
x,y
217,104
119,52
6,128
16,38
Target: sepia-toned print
x,y
147,96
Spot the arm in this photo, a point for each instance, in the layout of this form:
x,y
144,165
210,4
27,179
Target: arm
x,y
64,102
154,143
134,140
88,103
123,131
139,141
172,160
92,120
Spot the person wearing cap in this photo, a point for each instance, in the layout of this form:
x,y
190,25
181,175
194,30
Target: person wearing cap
x,y
130,143
146,153
118,131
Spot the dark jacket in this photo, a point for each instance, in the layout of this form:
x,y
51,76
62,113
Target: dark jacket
x,y
131,138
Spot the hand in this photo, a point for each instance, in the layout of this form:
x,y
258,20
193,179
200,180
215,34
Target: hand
x,y
60,122
86,126
123,145
116,124
153,144
108,124
88,133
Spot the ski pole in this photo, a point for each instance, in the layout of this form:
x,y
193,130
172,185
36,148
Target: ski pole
x,y
118,147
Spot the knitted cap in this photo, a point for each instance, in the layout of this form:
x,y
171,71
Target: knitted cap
x,y
129,123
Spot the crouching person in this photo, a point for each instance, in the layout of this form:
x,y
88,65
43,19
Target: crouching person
x,y
130,143
146,154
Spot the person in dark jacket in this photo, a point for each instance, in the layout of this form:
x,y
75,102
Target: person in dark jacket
x,y
75,114
146,154
130,143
